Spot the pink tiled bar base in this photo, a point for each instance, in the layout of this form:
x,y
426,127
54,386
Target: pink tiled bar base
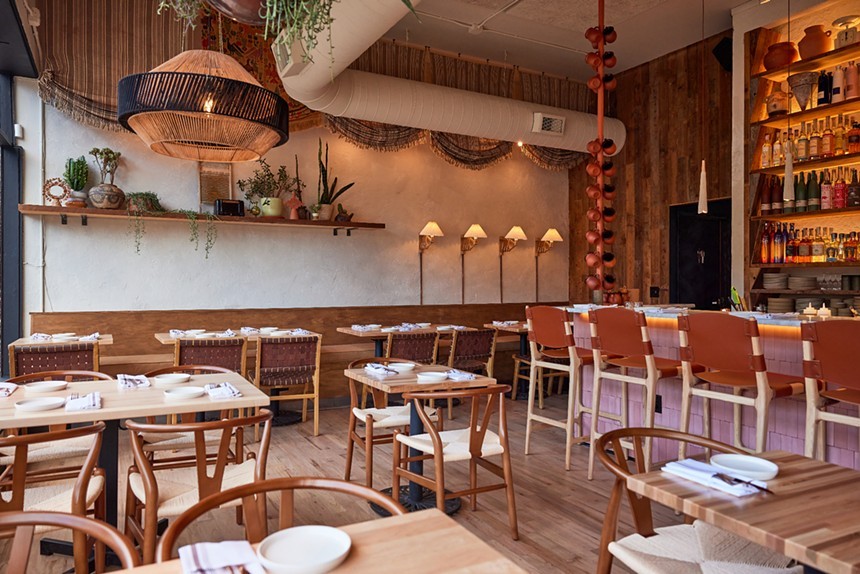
x,y
787,419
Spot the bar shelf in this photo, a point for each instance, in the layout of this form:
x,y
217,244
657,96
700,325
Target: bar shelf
x,y
835,161
826,60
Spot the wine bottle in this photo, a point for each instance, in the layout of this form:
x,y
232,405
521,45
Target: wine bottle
x,y
813,193
800,197
776,196
765,204
823,89
826,190
852,198
840,190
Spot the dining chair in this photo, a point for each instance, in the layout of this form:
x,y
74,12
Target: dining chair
x,y
696,547
473,351
226,352
553,348
77,356
825,360
253,501
76,489
154,493
622,336
25,524
475,443
730,348
412,347
380,417
289,363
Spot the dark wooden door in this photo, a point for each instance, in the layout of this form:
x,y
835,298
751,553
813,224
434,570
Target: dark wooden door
x,y
700,254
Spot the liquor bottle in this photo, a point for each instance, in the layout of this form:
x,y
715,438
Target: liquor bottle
x,y
778,249
854,136
778,156
826,190
791,245
764,252
840,248
766,153
828,141
840,190
823,89
851,248
837,91
804,248
813,193
818,254
840,142
814,141
800,193
787,200
852,81
852,197
802,144
831,249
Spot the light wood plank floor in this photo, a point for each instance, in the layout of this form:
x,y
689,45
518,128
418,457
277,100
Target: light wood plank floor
x,y
560,513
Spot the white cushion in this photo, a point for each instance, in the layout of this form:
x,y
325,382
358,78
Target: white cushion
x,y
455,444
699,547
391,417
177,488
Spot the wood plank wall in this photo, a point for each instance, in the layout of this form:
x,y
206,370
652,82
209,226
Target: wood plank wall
x,y
135,349
660,104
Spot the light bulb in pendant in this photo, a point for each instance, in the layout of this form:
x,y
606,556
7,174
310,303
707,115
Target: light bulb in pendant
x,y
209,104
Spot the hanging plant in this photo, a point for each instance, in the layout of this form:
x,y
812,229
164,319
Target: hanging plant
x,y
187,11
137,206
194,227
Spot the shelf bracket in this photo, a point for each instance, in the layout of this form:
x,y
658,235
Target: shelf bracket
x,y
63,219
348,230
84,220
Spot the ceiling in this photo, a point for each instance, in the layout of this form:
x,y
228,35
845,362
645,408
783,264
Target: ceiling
x,y
548,35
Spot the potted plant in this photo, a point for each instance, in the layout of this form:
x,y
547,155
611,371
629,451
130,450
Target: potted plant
x,y
106,195
315,211
327,193
267,189
76,175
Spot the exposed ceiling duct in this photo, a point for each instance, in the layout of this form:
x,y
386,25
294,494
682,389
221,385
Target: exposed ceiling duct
x,y
327,86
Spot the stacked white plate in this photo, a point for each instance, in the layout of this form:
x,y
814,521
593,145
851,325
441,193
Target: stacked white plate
x,y
802,303
777,305
802,282
775,280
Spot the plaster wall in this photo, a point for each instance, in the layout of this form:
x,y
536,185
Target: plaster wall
x,y
72,268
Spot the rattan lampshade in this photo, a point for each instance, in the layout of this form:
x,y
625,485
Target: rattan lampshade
x,y
204,106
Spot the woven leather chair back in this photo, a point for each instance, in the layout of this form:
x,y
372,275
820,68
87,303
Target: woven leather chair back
x,y
417,347
284,361
832,360
228,353
78,356
68,376
546,327
478,345
619,332
721,341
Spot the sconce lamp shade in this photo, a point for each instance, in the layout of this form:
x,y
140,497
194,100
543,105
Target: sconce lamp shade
x,y
552,235
475,232
516,232
432,229
203,105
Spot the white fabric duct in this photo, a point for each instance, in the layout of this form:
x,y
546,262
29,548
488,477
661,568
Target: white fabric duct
x,y
372,97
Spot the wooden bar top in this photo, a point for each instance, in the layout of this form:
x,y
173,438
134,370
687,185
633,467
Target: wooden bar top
x,y
426,541
405,382
102,340
813,515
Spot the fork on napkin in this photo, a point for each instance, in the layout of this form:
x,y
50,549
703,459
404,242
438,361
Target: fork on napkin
x,y
91,337
299,332
221,391
229,557
227,333
176,333
7,389
40,337
505,323
87,402
457,375
378,370
710,476
362,328
249,330
132,381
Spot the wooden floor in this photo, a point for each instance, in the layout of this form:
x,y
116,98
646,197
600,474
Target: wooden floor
x,y
560,513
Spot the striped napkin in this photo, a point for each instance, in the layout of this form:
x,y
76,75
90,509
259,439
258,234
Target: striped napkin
x,y
176,333
378,370
457,375
40,337
299,332
7,389
87,402
132,381
363,328
90,337
505,323
218,391
220,558
704,474
249,330
227,333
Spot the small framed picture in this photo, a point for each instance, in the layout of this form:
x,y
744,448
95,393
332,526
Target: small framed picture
x,y
216,181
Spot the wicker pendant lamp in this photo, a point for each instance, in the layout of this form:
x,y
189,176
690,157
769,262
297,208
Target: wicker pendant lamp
x,y
203,105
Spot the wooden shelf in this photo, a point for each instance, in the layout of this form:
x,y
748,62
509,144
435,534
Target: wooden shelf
x,y
805,292
844,212
85,213
847,108
801,265
827,60
837,160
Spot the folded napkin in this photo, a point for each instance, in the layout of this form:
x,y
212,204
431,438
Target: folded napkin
x,y
219,558
40,337
379,370
176,333
456,375
132,381
227,333
87,402
363,328
7,389
408,326
221,391
704,474
505,323
249,330
458,327
90,337
299,332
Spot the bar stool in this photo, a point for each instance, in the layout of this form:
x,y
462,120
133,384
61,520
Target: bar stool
x,y
553,348
730,348
825,360
622,335
523,363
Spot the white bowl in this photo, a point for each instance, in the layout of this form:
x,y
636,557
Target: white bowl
x,y
194,331
751,467
432,377
423,325
304,550
401,367
267,330
45,386
183,393
41,404
168,379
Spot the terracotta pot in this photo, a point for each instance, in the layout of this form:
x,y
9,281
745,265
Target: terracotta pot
x,y
609,59
609,82
609,214
106,196
609,237
593,168
815,42
609,282
609,146
592,191
593,214
592,282
610,195
608,169
592,259
609,260
779,55
777,103
592,59
593,36
592,236
594,83
593,147
609,34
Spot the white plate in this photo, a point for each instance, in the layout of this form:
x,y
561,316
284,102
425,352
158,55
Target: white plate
x,y
194,331
304,550
389,329
42,404
445,328
64,338
373,326
432,377
423,325
401,367
279,333
205,335
183,393
45,386
168,379
747,466
267,330
66,335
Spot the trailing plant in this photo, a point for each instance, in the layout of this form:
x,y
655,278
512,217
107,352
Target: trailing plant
x,y
211,231
139,204
77,172
327,194
186,11
107,160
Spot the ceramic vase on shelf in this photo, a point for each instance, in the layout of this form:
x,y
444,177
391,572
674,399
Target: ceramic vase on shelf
x,y
326,211
779,55
802,85
271,207
106,196
815,42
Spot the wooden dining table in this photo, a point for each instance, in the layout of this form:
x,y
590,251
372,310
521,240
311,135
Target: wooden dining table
x,y
415,496
813,515
521,329
417,542
379,336
168,339
102,340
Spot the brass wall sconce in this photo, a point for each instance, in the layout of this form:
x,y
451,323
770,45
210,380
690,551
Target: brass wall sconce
x,y
425,240
467,243
543,245
507,243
